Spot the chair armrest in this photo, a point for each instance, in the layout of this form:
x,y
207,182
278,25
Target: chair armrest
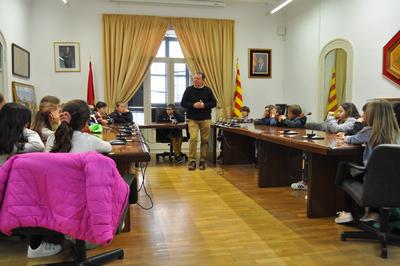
x,y
344,171
356,166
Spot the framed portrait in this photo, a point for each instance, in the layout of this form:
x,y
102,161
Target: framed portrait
x,y
20,61
24,94
66,57
259,63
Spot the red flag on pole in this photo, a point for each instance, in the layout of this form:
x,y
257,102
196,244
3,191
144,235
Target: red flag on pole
x,y
90,87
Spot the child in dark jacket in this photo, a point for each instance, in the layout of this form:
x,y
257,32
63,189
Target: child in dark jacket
x,y
121,115
175,135
294,119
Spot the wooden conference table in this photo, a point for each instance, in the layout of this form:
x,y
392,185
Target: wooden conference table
x,y
164,125
280,160
134,151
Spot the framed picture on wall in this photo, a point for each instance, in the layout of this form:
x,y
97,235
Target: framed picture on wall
x,y
20,61
391,59
66,57
24,94
259,63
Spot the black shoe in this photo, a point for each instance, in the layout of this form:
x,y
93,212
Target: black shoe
x,y
179,159
202,165
192,165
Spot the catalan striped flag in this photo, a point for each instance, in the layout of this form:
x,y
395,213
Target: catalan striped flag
x,y
237,98
332,101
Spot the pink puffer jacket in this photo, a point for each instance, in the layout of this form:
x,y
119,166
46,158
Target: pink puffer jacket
x,y
81,195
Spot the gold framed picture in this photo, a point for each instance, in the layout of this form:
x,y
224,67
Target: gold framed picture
x,y
259,63
67,57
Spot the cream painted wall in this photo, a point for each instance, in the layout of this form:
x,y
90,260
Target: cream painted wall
x,y
15,27
53,21
367,24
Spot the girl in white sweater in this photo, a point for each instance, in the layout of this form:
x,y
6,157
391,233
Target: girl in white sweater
x,y
15,135
347,115
69,136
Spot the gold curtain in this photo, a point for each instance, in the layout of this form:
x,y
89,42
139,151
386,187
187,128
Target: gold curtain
x,y
341,69
207,45
130,45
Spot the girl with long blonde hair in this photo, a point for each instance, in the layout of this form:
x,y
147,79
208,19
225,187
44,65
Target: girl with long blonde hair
x,y
384,128
47,119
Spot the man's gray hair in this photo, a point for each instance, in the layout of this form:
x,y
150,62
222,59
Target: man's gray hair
x,y
203,76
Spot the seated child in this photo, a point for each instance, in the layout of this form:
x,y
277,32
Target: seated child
x,y
382,128
266,120
121,115
347,114
69,136
175,135
100,113
294,119
359,124
46,119
16,137
245,110
360,133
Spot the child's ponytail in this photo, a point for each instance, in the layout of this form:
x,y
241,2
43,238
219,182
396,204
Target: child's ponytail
x,y
75,115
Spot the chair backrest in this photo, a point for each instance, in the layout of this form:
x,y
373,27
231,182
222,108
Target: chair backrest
x,y
382,177
156,112
87,176
180,110
282,108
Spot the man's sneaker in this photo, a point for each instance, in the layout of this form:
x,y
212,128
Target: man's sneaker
x,y
192,165
179,159
343,217
44,250
202,165
369,217
299,186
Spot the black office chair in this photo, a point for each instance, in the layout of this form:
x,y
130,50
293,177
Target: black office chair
x,y
162,135
376,185
282,108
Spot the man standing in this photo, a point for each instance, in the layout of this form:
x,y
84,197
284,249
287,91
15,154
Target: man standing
x,y
198,100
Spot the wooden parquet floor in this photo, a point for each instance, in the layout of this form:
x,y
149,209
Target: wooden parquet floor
x,y
220,217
